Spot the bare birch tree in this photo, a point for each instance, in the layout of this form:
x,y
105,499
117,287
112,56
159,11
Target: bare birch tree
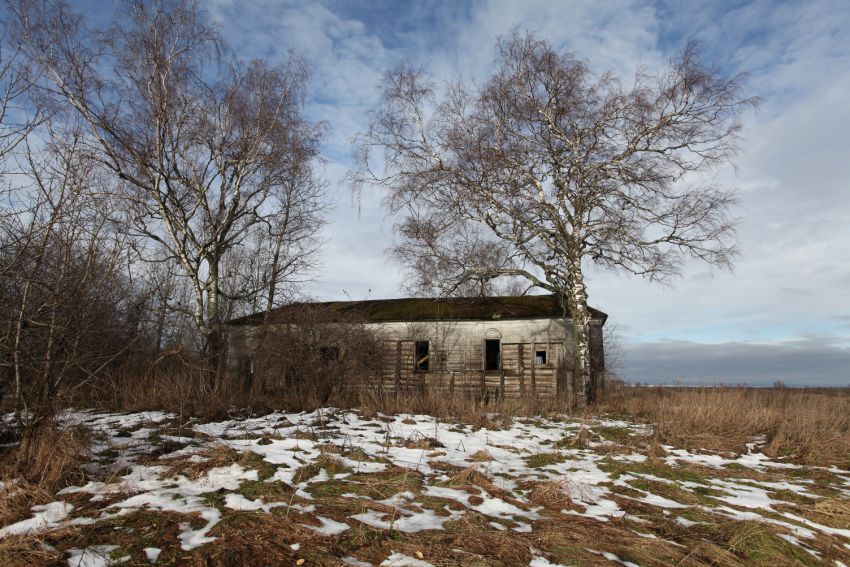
x,y
282,253
549,168
18,116
201,142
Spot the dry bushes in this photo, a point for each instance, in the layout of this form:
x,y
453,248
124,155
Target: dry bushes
x,y
173,383
182,385
808,425
311,352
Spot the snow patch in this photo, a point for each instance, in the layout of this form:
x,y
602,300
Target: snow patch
x,y
46,517
402,560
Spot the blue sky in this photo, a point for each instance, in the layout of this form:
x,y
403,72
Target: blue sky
x,y
783,314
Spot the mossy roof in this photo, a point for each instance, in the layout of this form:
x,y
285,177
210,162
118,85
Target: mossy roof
x,y
432,309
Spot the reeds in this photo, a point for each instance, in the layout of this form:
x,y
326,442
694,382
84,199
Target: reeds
x,y
811,426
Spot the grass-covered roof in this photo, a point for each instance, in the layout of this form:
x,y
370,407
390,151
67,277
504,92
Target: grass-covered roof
x,y
429,309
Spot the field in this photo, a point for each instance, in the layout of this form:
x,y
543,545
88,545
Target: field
x,y
674,477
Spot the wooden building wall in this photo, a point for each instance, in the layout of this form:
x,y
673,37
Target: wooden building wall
x,y
457,351
457,356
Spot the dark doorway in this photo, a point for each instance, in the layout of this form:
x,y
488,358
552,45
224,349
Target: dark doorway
x,y
492,354
423,362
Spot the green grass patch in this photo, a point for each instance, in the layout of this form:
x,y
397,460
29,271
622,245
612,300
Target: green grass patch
x,y
306,435
377,486
760,546
275,491
541,460
654,468
250,460
331,465
676,492
336,488
132,533
615,434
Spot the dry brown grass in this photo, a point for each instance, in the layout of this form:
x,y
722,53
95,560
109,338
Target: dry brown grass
x,y
27,550
472,410
472,477
256,539
834,511
50,456
811,426
16,499
47,459
481,456
553,495
178,384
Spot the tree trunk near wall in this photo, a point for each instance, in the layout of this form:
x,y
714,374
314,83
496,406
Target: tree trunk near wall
x,y
576,303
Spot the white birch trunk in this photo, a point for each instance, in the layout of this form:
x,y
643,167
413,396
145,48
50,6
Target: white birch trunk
x,y
576,299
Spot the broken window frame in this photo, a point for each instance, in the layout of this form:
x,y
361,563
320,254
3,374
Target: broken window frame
x,y
537,358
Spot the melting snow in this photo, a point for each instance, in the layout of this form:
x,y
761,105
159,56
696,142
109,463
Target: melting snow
x,y
543,562
47,516
95,556
152,553
612,557
402,560
329,527
406,521
147,486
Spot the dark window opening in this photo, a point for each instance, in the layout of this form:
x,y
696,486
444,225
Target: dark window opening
x,y
492,354
329,354
422,360
540,357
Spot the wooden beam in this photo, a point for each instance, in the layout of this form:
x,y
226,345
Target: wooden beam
x,y
521,353
397,367
533,365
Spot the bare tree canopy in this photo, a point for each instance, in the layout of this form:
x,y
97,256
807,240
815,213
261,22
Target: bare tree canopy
x,y
18,116
547,168
214,156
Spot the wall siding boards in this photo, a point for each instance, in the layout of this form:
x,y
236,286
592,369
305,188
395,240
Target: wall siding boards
x,y
457,361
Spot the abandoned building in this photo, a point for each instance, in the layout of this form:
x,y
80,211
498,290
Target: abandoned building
x,y
482,346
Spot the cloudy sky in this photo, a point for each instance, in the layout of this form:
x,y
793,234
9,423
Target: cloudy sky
x,y
783,314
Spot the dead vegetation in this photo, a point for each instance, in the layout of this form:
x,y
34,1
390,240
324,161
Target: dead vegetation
x,y
46,459
803,426
811,426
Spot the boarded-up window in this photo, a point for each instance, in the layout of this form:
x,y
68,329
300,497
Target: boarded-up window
x,y
492,354
422,359
540,357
